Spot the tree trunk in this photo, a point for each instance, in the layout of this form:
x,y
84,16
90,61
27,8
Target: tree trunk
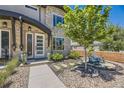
x,y
85,57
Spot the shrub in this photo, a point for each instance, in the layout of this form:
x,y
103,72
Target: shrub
x,y
3,76
8,70
74,54
57,57
24,58
50,57
11,65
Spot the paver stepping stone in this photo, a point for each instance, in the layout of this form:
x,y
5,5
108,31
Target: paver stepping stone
x,y
79,63
64,65
57,67
71,64
109,66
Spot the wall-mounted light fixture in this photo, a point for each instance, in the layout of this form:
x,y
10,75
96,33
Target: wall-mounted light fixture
x,y
29,28
20,18
4,24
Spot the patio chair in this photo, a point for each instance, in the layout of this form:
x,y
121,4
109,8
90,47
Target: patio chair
x,y
95,60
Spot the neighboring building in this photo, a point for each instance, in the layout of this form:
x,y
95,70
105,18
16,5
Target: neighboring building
x,y
32,29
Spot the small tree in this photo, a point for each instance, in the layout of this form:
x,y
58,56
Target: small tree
x,y
86,25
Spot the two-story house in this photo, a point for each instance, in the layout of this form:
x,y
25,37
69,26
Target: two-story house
x,y
32,29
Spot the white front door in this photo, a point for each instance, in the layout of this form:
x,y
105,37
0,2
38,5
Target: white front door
x,y
29,45
4,43
39,45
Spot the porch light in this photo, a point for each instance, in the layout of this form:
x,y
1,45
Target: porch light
x,y
4,24
29,28
20,18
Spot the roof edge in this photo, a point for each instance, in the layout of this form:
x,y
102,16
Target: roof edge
x,y
57,6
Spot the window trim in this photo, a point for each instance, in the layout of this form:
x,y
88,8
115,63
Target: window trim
x,y
6,30
53,17
55,48
35,43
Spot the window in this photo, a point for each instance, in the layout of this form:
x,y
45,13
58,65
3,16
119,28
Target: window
x,y
58,43
57,19
31,7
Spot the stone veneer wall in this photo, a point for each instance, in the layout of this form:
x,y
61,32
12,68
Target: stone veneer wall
x,y
48,21
25,29
33,31
9,29
50,10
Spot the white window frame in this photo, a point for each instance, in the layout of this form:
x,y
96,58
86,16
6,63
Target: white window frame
x,y
55,48
36,55
9,40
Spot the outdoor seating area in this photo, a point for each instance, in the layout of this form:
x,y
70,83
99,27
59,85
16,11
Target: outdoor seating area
x,y
73,73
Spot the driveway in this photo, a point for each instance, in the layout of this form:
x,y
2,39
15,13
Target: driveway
x,y
43,77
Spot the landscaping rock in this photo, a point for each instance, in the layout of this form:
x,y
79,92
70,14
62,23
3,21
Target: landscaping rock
x,y
74,68
78,71
109,66
95,74
64,65
19,79
73,79
71,64
57,67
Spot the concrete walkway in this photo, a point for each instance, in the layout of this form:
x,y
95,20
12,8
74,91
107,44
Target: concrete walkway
x,y
43,77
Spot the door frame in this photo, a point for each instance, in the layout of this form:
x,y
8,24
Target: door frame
x,y
32,44
6,30
36,55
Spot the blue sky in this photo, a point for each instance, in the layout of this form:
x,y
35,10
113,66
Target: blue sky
x,y
116,14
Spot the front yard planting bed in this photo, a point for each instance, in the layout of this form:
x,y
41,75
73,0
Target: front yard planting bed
x,y
18,79
73,79
59,67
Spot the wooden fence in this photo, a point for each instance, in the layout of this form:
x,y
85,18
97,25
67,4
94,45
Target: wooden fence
x,y
112,56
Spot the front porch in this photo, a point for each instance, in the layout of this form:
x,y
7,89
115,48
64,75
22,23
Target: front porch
x,y
21,34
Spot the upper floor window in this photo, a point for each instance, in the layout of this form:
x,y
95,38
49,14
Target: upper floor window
x,y
58,43
57,19
31,7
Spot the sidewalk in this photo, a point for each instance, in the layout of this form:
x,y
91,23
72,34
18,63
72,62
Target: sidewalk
x,y
43,77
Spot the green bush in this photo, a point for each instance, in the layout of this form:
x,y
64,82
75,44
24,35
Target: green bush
x,y
50,57
8,70
74,54
24,59
11,65
57,57
3,76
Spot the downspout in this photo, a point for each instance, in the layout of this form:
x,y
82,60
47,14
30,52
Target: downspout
x,y
13,34
39,13
21,33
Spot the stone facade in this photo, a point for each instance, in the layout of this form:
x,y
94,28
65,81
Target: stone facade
x,y
46,18
50,11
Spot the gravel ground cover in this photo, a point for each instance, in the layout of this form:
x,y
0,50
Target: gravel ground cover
x,y
73,79
19,79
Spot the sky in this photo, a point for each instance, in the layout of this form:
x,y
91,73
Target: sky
x,y
116,14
